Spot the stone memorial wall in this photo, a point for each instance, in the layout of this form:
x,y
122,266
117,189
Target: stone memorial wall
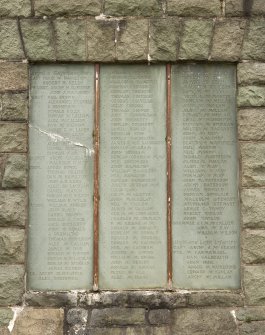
x,y
59,298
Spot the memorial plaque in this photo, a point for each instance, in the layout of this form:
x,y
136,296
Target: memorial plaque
x,y
61,177
205,177
133,243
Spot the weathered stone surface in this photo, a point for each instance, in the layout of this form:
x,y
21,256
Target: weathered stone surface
x,y
15,174
77,316
13,107
6,315
39,322
51,299
253,164
251,73
254,42
228,39
164,39
218,299
203,322
254,284
251,314
253,248
13,208
132,8
12,245
3,158
14,76
78,329
150,299
101,40
253,208
70,39
251,96
159,317
131,331
13,137
15,8
253,328
10,43
251,124
244,8
68,7
132,40
38,39
194,7
117,316
11,284
196,39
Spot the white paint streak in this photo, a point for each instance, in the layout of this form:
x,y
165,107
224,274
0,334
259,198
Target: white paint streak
x,y
58,138
16,311
233,313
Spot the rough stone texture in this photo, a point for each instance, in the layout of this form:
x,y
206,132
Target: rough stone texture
x,y
237,8
159,317
254,42
15,8
253,164
70,39
253,248
132,8
132,40
251,73
12,245
14,76
253,208
10,43
38,39
131,331
77,316
254,284
228,39
51,299
13,208
150,299
67,7
101,40
11,284
39,322
13,137
194,7
15,174
164,39
251,124
13,107
203,322
251,96
253,328
249,314
218,299
196,39
6,315
117,316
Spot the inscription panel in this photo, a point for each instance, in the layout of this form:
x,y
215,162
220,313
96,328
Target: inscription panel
x,y
205,177
61,177
132,247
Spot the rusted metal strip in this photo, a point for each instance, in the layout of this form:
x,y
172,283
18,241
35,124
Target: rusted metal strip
x,y
96,180
169,190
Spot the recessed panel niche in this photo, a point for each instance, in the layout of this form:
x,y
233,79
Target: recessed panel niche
x,y
61,177
133,244
205,177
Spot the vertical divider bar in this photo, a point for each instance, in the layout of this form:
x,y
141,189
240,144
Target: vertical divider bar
x,y
169,187
96,180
